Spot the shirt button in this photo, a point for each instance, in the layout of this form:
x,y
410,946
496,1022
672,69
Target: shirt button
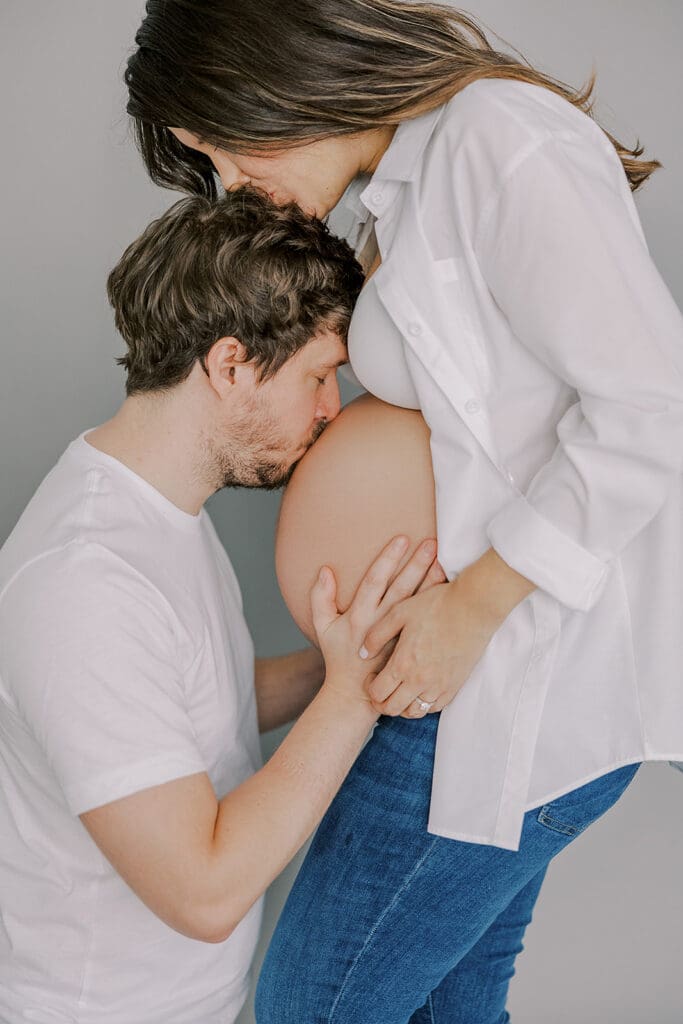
x,y
472,405
378,198
414,330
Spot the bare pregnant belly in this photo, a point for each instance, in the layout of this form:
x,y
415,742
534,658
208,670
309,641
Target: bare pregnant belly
x,y
367,478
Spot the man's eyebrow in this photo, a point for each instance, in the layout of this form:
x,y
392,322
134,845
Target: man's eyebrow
x,y
328,367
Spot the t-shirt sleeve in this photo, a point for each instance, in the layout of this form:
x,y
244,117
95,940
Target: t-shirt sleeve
x,y
91,657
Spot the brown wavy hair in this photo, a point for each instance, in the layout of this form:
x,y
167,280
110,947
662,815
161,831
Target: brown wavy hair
x,y
238,266
249,75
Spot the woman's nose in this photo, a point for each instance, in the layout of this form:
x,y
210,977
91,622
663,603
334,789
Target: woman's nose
x,y
230,175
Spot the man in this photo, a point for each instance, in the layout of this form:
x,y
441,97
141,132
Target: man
x,y
138,830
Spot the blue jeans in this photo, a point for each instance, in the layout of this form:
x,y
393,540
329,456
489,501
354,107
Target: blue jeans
x,y
387,924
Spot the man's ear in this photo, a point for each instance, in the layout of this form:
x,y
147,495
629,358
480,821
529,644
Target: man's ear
x,y
225,361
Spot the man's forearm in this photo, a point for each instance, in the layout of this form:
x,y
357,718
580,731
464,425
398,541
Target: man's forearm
x,y
199,862
286,685
261,824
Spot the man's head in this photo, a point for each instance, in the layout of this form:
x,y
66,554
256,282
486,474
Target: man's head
x,y
241,307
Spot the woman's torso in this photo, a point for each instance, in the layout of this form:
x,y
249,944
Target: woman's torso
x,y
568,694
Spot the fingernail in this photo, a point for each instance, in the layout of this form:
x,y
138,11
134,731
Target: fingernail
x,y
400,544
322,575
363,652
429,547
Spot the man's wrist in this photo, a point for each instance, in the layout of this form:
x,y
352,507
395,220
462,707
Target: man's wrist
x,y
335,699
493,588
314,665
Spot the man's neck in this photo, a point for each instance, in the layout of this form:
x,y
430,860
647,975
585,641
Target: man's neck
x,y
152,437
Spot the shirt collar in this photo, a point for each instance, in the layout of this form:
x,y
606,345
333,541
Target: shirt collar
x,y
351,199
401,161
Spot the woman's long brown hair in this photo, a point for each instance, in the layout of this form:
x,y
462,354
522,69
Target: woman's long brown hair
x,y
249,75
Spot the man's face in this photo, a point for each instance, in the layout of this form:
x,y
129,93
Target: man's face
x,y
274,423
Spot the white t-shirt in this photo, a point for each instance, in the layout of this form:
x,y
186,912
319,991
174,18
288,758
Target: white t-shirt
x,y
125,662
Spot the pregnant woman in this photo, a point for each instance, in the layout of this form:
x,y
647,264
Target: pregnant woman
x,y
510,298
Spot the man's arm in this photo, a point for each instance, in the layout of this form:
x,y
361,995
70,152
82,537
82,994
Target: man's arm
x,y
200,863
286,685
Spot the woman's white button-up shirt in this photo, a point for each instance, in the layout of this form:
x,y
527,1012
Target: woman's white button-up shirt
x,y
547,354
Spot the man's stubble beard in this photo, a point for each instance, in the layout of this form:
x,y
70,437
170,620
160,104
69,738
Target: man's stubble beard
x,y
247,461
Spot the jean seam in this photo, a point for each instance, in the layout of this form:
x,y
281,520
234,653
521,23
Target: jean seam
x,y
399,892
430,1004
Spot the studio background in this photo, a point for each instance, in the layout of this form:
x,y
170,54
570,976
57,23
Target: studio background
x,y
606,939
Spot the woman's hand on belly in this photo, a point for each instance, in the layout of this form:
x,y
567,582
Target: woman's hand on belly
x,y
382,589
443,634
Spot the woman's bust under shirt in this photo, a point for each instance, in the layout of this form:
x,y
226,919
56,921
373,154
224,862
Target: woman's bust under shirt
x,y
376,349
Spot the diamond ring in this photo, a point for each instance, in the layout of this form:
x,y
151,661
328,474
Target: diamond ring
x,y
424,705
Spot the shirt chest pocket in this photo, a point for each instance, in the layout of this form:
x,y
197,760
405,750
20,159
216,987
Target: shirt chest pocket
x,y
430,302
434,324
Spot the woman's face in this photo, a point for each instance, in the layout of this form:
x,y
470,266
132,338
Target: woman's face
x,y
314,175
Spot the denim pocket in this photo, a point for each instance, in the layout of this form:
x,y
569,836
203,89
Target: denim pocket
x,y
573,812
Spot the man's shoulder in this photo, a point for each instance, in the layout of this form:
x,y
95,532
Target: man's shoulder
x,y
76,581
52,520
87,522
61,578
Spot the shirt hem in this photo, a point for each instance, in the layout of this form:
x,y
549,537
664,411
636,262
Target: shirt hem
x,y
489,840
635,759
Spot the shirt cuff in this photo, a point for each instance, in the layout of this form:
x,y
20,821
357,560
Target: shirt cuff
x,y
534,547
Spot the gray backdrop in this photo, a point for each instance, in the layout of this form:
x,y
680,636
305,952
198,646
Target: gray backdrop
x,y
605,945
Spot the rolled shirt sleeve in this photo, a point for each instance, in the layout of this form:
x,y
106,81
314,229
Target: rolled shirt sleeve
x,y
562,252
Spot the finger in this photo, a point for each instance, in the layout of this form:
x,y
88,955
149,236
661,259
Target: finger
x,y
415,711
367,683
373,586
384,631
398,701
382,658
435,576
420,706
411,575
324,609
425,703
385,683
442,702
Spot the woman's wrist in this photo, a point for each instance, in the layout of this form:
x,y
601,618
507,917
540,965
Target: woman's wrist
x,y
492,588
